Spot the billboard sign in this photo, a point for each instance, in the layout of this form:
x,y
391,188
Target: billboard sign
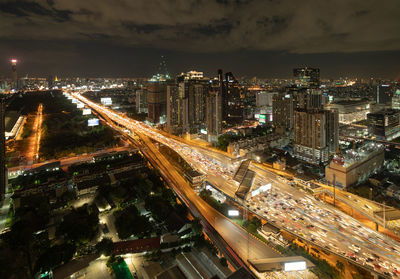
x,y
255,192
93,122
80,105
263,116
295,266
106,101
265,187
233,212
86,111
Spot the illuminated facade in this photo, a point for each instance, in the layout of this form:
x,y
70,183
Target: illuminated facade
x,y
14,76
351,110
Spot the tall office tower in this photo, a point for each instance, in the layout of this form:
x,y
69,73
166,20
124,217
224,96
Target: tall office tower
x,y
156,101
315,134
14,76
383,94
283,111
214,112
3,170
141,101
307,77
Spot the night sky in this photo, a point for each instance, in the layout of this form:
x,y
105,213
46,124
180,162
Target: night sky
x,y
263,38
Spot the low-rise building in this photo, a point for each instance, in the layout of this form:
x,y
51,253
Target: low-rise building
x,y
355,166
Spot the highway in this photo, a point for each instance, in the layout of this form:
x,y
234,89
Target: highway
x,y
290,209
65,161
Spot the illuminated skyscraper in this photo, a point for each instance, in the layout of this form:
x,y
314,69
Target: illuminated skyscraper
x,y
214,112
307,77
14,76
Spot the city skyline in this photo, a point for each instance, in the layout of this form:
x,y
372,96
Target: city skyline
x,y
199,139
250,38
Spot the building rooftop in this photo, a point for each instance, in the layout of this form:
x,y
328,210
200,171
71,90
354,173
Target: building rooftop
x,y
352,156
172,273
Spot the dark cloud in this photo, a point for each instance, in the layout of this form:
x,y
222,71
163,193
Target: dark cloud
x,y
205,26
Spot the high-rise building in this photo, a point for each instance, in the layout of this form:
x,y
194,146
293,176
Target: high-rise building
x,y
214,112
383,94
156,101
384,124
3,170
283,111
174,110
307,77
141,101
316,134
186,103
14,76
232,95
233,99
